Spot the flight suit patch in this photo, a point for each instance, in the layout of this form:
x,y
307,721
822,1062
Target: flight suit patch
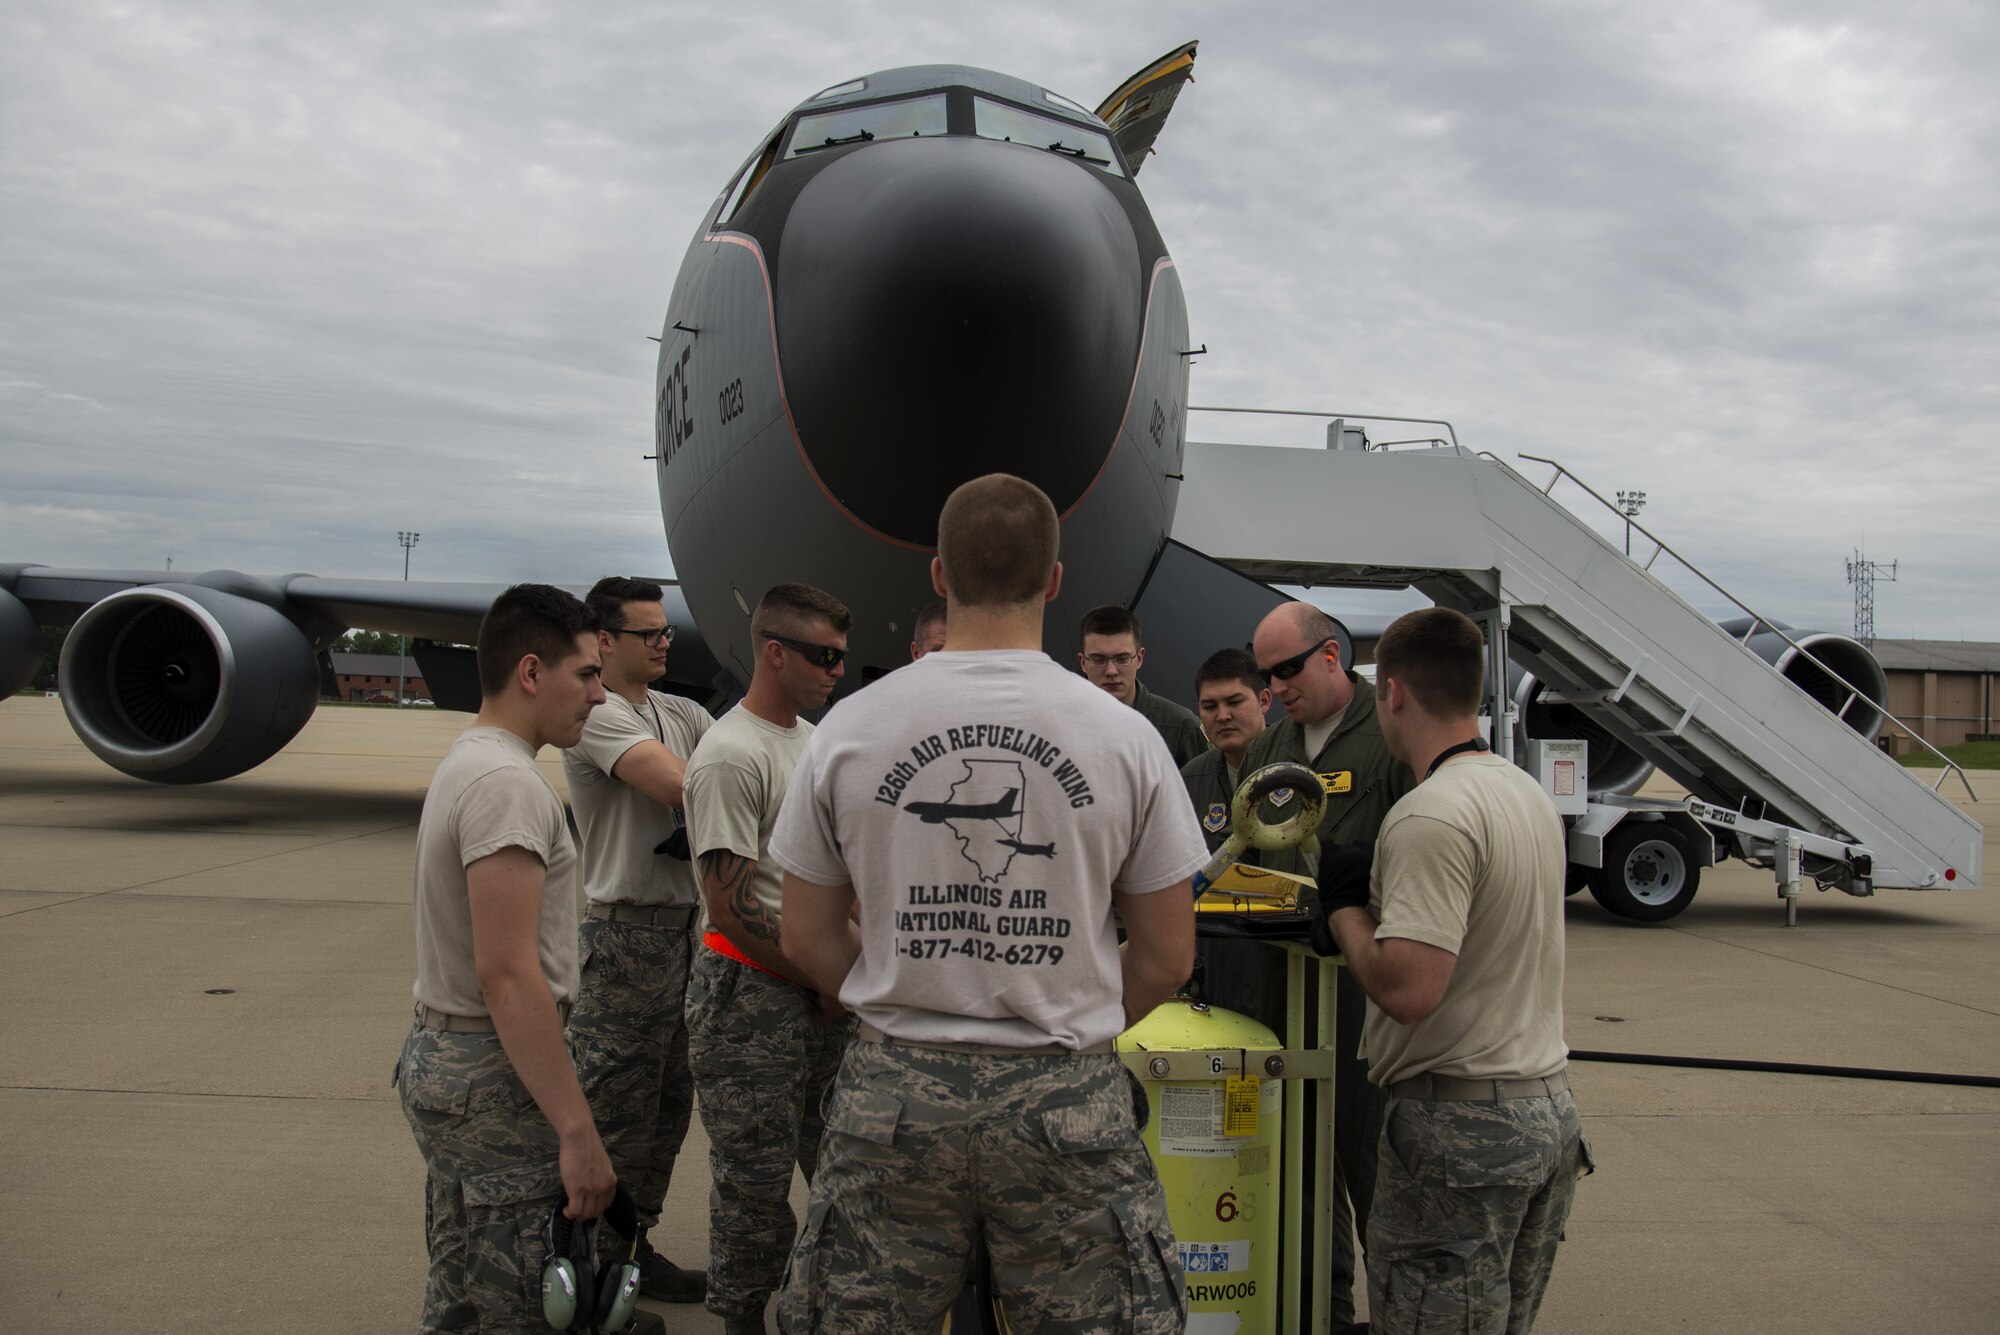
x,y
1340,781
1217,818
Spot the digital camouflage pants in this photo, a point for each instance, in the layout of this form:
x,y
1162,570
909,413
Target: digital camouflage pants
x,y
491,1177
629,1037
927,1149
763,1064
1470,1201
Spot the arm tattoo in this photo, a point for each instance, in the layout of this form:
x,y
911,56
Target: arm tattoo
x,y
733,877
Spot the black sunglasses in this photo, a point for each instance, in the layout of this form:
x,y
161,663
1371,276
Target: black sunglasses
x,y
1287,668
819,655
652,639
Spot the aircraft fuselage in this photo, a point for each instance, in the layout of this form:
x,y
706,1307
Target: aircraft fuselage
x,y
863,323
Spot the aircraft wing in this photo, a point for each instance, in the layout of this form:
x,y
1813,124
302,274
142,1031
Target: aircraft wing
x,y
1139,108
322,609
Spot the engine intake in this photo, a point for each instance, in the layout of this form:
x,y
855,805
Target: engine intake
x,y
1615,768
1860,709
180,684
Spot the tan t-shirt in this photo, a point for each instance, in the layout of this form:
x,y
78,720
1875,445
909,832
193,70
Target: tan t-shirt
x,y
621,826
488,795
735,785
1471,861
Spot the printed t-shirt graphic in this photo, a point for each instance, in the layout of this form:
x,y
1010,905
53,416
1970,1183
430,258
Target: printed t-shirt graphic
x,y
984,806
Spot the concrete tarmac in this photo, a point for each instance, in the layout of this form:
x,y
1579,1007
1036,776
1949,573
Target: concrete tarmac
x,y
205,989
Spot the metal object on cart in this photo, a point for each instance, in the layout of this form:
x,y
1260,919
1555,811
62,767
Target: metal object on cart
x,y
1248,829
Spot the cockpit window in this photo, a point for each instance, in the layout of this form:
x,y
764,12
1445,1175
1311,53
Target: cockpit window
x,y
840,90
997,120
876,120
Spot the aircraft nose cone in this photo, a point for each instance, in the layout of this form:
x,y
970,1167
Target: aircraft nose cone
x,y
953,307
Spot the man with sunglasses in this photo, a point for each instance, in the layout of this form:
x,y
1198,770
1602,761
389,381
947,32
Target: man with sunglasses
x,y
1113,652
763,1045
1331,726
636,940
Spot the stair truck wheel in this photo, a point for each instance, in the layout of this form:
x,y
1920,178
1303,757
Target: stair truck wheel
x,y
1576,878
1649,872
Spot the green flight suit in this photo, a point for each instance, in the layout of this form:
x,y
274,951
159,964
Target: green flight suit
x,y
1211,790
1178,727
1375,780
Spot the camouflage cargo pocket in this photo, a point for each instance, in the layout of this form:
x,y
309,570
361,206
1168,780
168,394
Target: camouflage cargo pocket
x,y
1159,1288
1430,1294
505,1246
830,1255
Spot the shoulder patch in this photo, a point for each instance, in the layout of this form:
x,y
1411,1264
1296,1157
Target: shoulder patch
x,y
1216,819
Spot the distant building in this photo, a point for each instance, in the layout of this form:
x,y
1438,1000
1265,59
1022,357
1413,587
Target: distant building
x,y
372,678
1944,690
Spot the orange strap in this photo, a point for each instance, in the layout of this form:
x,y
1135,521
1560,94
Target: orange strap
x,y
721,945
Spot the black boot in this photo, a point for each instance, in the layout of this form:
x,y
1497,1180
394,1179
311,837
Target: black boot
x,y
662,1279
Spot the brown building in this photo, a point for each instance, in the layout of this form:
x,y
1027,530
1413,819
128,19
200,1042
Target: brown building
x,y
1944,690
371,678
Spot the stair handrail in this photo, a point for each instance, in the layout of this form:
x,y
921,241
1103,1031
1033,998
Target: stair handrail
x,y
1757,619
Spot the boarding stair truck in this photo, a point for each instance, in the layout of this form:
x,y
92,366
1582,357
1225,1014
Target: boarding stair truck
x,y
1774,775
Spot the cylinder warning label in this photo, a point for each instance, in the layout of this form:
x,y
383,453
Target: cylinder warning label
x,y
1214,1258
1191,1122
1200,1122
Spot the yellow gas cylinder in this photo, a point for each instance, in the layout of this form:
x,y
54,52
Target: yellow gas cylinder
x,y
1215,1143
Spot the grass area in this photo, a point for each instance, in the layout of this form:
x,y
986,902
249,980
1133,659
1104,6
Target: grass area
x,y
1971,755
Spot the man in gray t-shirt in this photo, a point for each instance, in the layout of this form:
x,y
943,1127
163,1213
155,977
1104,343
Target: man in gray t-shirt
x,y
636,941
487,1086
762,1044
994,818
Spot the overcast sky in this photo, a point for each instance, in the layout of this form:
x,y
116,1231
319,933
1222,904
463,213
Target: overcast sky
x,y
277,281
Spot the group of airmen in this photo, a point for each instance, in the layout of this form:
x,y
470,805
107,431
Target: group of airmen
x,y
887,951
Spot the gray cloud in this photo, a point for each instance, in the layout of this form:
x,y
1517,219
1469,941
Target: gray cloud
x,y
280,282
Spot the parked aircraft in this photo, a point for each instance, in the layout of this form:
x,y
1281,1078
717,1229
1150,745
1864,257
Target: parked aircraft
x,y
916,277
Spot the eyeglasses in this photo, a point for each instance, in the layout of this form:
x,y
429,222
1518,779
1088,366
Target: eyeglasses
x,y
1102,661
652,639
1287,668
819,655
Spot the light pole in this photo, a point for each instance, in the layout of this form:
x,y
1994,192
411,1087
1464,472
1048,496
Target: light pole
x,y
409,540
1630,503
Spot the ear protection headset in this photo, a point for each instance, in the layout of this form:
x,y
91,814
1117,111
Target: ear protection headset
x,y
574,1295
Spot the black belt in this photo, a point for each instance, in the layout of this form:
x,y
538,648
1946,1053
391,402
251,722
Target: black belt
x,y
678,916
1453,1089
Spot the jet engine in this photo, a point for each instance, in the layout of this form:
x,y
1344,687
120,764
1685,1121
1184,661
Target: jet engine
x,y
181,684
1614,766
1850,659
1617,768
20,645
